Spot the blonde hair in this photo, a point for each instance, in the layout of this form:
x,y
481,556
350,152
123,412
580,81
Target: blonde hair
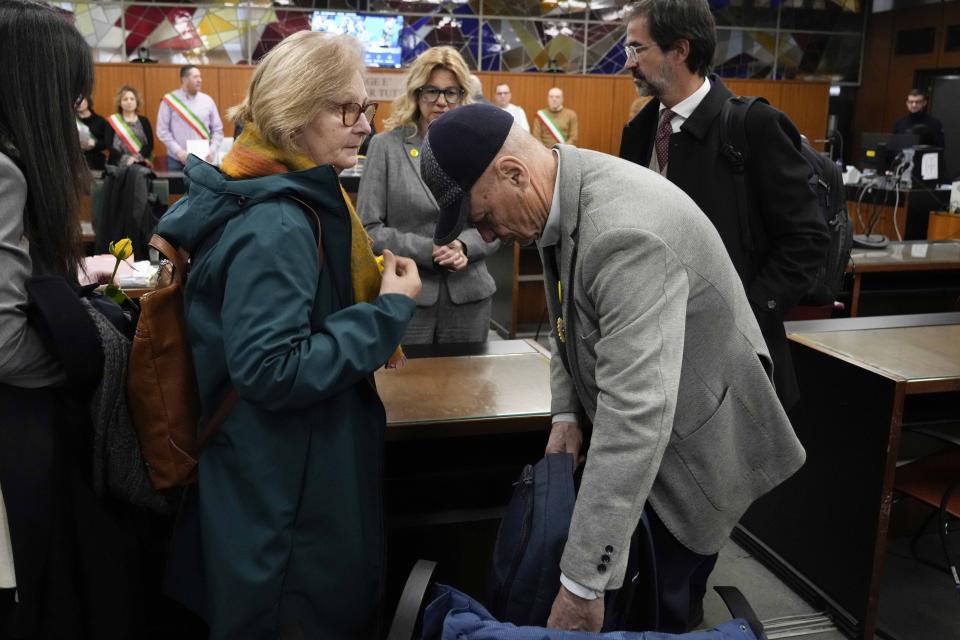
x,y
300,77
406,107
122,90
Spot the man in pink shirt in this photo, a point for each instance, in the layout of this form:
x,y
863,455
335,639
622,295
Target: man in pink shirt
x,y
188,114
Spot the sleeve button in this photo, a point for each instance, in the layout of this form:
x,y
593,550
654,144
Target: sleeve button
x,y
601,568
609,549
605,559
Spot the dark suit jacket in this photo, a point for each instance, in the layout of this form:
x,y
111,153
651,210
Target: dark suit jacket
x,y
789,234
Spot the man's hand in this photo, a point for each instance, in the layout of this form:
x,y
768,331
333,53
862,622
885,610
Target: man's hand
x,y
400,275
566,437
182,156
450,255
573,613
211,156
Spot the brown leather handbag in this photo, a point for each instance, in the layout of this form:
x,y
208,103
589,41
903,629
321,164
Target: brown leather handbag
x,y
161,382
162,393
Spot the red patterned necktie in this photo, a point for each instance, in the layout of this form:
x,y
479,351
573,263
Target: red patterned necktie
x,y
662,141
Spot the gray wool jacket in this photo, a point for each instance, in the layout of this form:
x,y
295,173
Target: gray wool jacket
x,y
400,214
667,362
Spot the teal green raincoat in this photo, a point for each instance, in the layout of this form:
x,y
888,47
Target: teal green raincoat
x,y
288,519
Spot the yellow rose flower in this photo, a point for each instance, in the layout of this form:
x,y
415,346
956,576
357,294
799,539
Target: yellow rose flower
x,y
121,249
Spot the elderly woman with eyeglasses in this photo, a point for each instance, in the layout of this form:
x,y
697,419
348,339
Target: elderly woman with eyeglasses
x,y
400,213
284,535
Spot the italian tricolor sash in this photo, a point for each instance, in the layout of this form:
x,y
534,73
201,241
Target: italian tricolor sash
x,y
188,116
551,126
125,133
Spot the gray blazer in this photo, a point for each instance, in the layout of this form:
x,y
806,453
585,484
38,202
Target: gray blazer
x,y
400,214
24,360
667,361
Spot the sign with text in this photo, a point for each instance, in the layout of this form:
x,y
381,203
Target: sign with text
x,y
384,87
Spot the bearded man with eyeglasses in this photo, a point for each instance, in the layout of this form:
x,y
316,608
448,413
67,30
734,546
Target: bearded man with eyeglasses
x,y
778,244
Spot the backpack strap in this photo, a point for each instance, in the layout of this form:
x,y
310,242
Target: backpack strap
x,y
176,256
734,148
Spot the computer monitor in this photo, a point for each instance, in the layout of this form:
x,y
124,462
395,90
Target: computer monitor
x,y
880,149
379,35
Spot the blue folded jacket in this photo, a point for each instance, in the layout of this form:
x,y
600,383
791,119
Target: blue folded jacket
x,y
452,615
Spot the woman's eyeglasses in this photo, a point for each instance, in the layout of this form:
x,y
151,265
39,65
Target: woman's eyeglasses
x,y
351,112
431,94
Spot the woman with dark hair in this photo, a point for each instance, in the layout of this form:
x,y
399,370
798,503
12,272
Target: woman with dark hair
x,y
64,559
92,130
42,172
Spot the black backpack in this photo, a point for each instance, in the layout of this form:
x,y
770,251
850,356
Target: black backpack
x,y
826,181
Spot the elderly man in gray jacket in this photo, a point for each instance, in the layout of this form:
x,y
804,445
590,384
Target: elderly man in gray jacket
x,y
654,345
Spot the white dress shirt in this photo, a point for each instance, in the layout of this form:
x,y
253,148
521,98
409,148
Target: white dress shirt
x,y
681,111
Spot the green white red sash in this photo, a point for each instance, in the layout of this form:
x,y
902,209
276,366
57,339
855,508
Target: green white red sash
x,y
188,116
551,126
125,133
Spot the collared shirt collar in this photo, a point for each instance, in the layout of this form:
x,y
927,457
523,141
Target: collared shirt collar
x,y
551,230
685,108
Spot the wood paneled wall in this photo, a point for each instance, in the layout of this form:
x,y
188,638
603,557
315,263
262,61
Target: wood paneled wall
x,y
602,103
887,78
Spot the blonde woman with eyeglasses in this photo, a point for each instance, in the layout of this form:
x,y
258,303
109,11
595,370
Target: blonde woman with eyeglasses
x,y
400,214
287,518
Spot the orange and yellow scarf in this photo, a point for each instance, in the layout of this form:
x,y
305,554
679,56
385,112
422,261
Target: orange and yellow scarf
x,y
252,157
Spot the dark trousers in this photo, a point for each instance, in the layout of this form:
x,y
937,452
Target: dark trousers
x,y
681,579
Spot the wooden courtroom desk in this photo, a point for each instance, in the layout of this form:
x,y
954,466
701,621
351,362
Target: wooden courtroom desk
x,y
450,391
825,529
462,422
910,256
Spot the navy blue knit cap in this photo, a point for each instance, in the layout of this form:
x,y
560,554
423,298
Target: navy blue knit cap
x,y
459,147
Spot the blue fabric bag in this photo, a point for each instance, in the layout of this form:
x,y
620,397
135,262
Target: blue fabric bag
x,y
452,615
525,571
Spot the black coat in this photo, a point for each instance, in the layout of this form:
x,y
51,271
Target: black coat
x,y
98,128
76,555
923,124
789,233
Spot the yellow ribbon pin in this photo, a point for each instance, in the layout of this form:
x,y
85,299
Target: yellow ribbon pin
x,y
414,153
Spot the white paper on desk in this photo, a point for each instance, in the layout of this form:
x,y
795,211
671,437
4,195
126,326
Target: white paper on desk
x,y
918,250
929,167
199,148
142,275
